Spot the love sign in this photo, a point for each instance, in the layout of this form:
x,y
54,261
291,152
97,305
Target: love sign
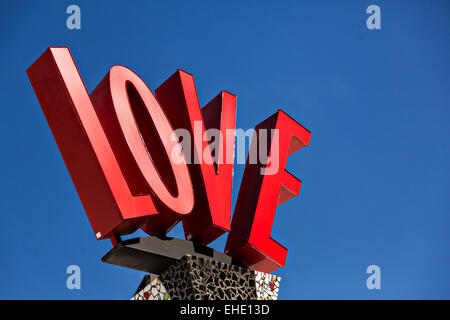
x,y
144,160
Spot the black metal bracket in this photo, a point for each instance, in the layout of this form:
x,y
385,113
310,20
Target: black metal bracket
x,y
154,254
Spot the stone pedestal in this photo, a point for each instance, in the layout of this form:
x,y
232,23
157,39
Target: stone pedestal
x,y
199,278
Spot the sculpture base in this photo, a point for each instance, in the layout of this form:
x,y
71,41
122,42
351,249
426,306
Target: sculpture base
x,y
200,278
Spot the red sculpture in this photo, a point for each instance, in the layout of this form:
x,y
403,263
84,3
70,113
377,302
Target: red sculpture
x,y
118,143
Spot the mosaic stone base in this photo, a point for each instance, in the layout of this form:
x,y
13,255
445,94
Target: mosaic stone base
x,y
197,278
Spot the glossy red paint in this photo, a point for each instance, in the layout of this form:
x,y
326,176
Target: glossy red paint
x,y
103,190
117,145
249,240
140,135
212,210
111,169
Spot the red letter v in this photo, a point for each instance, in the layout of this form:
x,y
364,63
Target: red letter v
x,y
212,211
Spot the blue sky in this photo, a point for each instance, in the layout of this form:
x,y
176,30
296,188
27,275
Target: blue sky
x,y
375,176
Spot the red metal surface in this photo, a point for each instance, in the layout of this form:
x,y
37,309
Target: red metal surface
x,y
117,145
112,206
212,210
141,137
250,239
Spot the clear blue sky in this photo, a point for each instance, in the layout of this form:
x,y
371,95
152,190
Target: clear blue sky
x,y
375,178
